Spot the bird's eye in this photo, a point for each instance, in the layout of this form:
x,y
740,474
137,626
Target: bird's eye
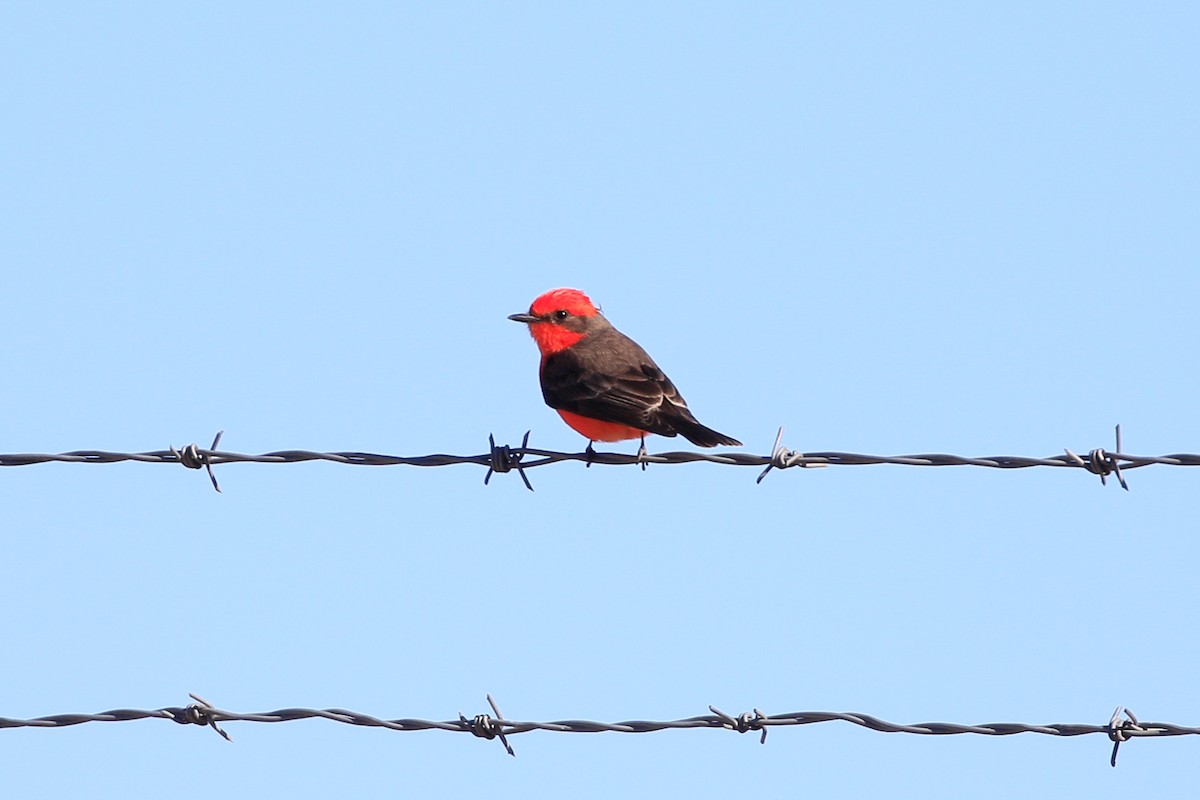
x,y
561,314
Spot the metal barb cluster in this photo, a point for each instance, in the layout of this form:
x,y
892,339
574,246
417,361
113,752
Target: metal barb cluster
x,y
485,727
199,713
192,458
1122,730
503,458
1121,727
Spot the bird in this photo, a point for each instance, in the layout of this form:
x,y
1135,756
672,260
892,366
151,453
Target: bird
x,y
601,382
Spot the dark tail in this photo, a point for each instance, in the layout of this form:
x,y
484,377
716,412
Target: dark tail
x,y
701,436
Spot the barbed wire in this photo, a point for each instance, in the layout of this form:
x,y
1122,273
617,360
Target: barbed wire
x,y
504,458
1121,727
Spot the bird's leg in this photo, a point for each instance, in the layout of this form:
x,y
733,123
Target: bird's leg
x,y
591,451
642,453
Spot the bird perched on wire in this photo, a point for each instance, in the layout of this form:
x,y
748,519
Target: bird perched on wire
x,y
601,382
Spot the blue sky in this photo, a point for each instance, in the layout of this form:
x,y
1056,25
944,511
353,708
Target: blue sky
x,y
927,228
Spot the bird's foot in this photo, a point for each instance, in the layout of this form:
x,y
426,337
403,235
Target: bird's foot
x,y
591,451
641,454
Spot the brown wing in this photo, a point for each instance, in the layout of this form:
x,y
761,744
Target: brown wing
x,y
610,377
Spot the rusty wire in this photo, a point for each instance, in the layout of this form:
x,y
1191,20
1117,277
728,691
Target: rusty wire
x,y
504,458
1121,727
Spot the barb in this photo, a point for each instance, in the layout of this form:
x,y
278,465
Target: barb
x,y
1121,730
201,712
503,458
1121,727
1102,463
192,458
744,722
485,727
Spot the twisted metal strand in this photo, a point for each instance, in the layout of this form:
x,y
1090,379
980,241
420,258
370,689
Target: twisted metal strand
x,y
503,458
1121,727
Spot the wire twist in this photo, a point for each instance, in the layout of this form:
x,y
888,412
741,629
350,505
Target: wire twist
x,y
503,458
1121,727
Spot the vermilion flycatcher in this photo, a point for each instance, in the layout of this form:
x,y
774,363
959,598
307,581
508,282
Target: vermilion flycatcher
x,y
601,382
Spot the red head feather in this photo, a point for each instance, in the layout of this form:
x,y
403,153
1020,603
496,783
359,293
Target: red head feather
x,y
572,301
